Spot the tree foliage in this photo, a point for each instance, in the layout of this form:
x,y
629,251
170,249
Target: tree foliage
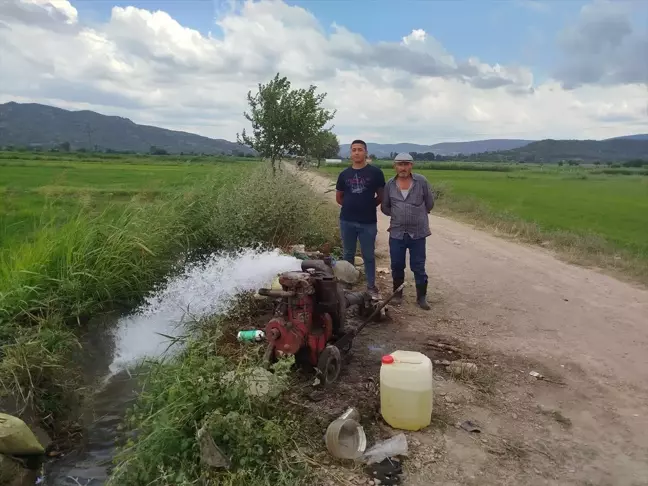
x,y
284,121
326,146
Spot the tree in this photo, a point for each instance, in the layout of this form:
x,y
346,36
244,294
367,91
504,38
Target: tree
x,y
157,151
326,146
284,121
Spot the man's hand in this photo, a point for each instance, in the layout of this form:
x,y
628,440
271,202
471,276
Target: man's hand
x,y
379,196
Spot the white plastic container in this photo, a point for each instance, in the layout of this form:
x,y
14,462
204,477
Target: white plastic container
x,y
406,390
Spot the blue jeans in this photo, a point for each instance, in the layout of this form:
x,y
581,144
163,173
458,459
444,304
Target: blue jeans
x,y
397,254
365,232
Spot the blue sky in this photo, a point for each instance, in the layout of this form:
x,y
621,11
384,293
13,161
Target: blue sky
x,y
495,31
546,68
510,32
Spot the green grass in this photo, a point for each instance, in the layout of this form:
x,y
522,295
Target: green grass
x,y
78,259
36,192
594,217
188,392
615,208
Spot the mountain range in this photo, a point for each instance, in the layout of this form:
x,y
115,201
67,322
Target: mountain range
x,y
381,150
37,125
467,148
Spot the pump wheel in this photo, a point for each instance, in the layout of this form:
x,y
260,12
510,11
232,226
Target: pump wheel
x,y
329,365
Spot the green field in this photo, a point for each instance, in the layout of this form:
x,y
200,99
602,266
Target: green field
x,y
574,207
34,193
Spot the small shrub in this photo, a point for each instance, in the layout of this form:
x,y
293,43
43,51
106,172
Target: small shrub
x,y
276,210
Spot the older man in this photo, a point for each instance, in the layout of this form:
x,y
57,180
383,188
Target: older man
x,y
408,199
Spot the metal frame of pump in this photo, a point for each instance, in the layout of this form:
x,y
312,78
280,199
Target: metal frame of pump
x,y
310,315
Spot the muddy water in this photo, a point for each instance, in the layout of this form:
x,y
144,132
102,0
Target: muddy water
x,y
120,343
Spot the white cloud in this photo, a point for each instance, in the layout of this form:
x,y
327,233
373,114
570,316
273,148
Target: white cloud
x,y
604,47
146,66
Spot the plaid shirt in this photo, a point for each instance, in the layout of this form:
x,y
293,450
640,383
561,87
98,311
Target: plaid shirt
x,y
409,215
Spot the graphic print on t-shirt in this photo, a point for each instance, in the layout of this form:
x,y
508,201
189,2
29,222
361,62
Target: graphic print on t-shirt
x,y
358,184
360,187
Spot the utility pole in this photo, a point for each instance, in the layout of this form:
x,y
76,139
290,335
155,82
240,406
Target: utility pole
x,y
89,131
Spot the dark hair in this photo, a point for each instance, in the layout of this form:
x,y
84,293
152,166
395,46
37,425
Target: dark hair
x,y
362,142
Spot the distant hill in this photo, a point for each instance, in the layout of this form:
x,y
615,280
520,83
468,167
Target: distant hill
x,y
446,148
549,151
631,137
619,149
31,124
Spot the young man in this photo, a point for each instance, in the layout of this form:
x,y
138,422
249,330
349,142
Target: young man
x,y
408,199
359,192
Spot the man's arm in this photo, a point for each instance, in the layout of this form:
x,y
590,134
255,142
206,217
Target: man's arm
x,y
380,186
385,206
429,196
339,189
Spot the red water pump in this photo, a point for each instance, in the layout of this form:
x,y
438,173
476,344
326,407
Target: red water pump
x,y
310,318
300,326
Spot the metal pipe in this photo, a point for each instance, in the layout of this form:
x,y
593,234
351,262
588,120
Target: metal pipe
x,y
317,265
344,340
276,293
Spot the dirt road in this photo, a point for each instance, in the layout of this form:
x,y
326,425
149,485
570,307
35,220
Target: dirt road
x,y
530,311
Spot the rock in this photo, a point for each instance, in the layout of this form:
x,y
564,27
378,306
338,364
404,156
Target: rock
x,y
16,438
462,369
345,272
260,382
515,416
358,261
210,453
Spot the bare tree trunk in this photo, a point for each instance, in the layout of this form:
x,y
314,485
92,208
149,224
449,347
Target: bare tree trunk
x,y
274,168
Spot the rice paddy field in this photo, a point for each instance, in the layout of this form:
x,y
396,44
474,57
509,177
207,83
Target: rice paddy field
x,y
596,217
39,191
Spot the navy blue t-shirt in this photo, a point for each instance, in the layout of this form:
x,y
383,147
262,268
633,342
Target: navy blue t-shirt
x,y
360,187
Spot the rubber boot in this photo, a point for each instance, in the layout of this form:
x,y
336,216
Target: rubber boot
x,y
398,297
421,292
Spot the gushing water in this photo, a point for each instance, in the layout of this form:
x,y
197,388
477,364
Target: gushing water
x,y
202,289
